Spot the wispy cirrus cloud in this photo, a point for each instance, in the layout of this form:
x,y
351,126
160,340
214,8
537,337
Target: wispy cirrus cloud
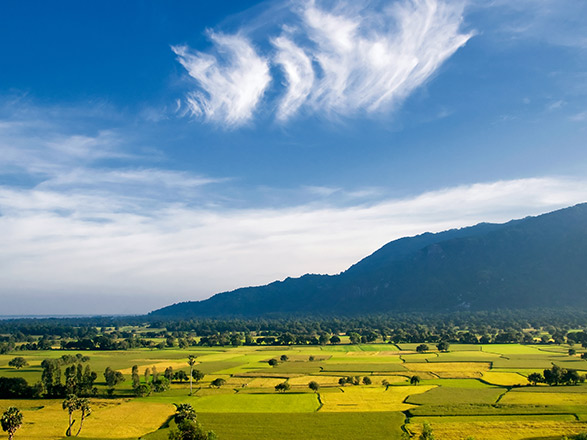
x,y
371,60
231,82
299,74
338,60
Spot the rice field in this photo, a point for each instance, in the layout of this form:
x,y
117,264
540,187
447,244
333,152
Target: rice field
x,y
471,390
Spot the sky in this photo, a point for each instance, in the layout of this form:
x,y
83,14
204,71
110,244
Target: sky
x,y
156,152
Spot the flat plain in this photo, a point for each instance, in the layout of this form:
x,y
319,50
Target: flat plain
x,y
478,391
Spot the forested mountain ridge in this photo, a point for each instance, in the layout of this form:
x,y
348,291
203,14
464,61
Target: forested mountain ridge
x,y
533,262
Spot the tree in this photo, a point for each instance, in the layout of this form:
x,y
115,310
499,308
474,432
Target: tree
x,y
535,378
180,376
18,362
184,411
113,378
335,339
314,386
70,404
366,380
282,387
572,377
218,382
284,358
572,352
553,376
414,380
354,337
136,380
51,377
86,410
197,375
160,384
191,363
443,346
11,421
426,432
142,390
272,362
189,430
422,348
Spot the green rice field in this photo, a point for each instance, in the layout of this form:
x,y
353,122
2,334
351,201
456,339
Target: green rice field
x,y
478,391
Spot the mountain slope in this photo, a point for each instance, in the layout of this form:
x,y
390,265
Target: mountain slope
x,y
534,262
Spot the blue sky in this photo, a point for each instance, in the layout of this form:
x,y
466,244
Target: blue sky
x,y
156,152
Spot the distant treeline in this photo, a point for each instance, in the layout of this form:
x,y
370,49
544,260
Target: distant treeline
x,y
120,333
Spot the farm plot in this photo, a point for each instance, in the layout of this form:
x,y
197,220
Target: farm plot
x,y
506,349
308,426
110,419
418,357
355,399
501,430
465,356
450,370
504,379
542,398
365,357
368,367
442,395
457,383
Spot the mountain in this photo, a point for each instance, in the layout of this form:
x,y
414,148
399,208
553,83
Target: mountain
x,y
533,262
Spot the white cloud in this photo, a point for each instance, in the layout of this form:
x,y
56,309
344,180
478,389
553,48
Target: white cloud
x,y
100,244
579,117
337,60
371,60
231,83
299,73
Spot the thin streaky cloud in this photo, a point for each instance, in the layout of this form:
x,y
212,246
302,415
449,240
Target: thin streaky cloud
x,y
372,61
352,60
297,67
231,83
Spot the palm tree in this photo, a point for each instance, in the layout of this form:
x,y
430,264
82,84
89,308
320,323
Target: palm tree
x,y
71,404
11,421
84,407
191,363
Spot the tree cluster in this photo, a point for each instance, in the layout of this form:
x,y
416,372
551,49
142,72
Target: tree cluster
x,y
557,376
356,380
